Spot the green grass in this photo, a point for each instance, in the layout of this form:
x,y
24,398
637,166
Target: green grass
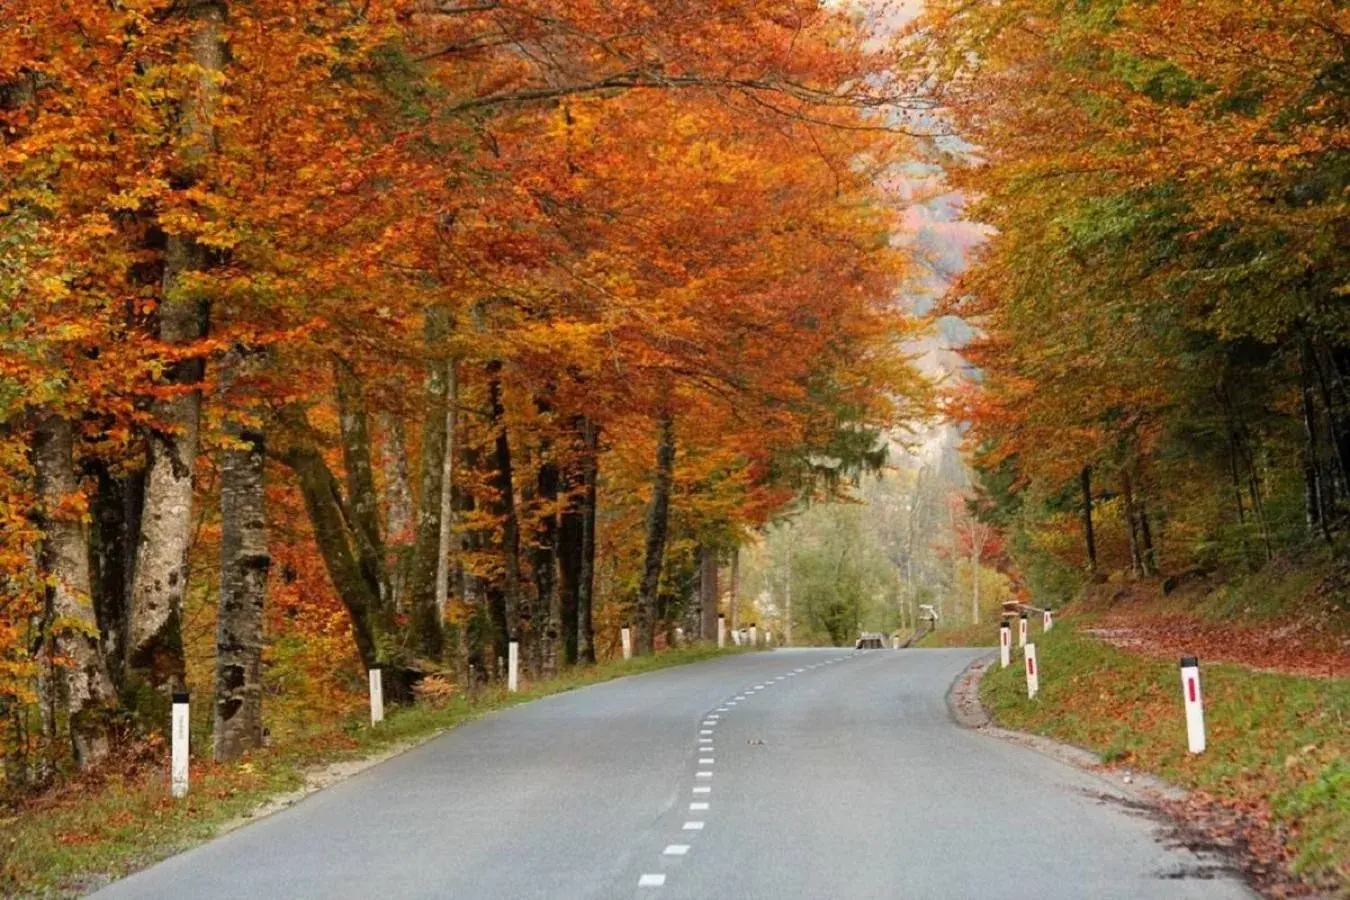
x,y
62,843
1278,743
962,636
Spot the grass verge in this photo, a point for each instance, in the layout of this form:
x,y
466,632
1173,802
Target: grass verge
x,y
1278,745
962,636
89,832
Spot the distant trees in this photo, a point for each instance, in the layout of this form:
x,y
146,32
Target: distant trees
x,y
1164,334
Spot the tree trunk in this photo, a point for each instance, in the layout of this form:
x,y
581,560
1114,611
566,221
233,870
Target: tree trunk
x,y
243,590
362,504
398,506
586,578
154,644
116,516
1313,488
735,599
658,513
707,594
428,636
1089,534
81,679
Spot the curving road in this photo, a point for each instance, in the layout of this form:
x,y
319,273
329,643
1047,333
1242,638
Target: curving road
x,y
816,774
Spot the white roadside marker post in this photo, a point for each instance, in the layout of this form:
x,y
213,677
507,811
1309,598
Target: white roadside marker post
x,y
1022,631
1005,644
513,666
1047,620
1195,704
721,632
1033,672
754,635
376,677
679,636
626,639
178,768
736,636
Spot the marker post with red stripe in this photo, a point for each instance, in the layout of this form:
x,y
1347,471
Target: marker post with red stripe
x,y
1033,672
1005,644
1047,621
1195,704
1022,631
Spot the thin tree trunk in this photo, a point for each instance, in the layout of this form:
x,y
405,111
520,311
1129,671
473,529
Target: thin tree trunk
x,y
734,600
428,635
447,492
657,524
586,578
1313,488
518,628
975,581
544,553
570,527
1089,533
243,588
81,678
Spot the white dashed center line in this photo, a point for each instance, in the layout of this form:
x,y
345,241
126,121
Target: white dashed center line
x,y
676,849
651,881
703,789
705,761
696,807
703,774
693,826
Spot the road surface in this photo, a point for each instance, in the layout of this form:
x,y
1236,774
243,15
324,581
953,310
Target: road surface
x,y
817,774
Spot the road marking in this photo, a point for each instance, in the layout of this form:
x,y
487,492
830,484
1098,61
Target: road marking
x,y
651,881
741,697
721,709
676,849
706,761
703,775
693,826
698,806
703,789
758,686
706,731
705,740
712,717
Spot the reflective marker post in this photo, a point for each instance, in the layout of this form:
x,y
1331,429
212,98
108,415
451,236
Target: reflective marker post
x,y
1033,673
721,632
513,666
1005,644
376,696
1022,631
178,770
1195,704
754,635
626,639
1048,620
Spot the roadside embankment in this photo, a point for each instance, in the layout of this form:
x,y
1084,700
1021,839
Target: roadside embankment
x,y
1275,776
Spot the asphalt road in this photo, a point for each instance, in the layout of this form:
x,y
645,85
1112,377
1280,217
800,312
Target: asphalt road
x,y
814,774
